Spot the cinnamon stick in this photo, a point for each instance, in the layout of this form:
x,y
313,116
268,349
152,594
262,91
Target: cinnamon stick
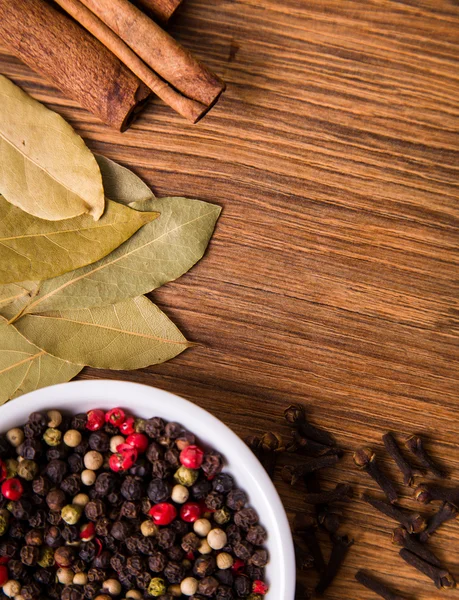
x,y
74,61
166,57
190,109
160,10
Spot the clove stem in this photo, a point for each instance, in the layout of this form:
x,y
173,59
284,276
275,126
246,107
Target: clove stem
x,y
341,545
296,416
376,586
441,577
413,522
292,474
365,459
401,537
342,492
395,453
446,513
430,493
415,444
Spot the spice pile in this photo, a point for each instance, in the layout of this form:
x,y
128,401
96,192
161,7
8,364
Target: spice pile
x,y
102,505
320,451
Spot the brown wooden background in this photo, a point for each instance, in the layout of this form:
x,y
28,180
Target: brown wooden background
x,y
332,278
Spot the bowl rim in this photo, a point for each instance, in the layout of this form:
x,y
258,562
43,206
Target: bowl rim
x,y
111,393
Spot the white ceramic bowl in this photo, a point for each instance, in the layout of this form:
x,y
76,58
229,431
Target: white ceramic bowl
x,y
145,401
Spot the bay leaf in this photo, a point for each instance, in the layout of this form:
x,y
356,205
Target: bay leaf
x,y
160,252
10,293
45,167
121,184
32,248
129,335
25,368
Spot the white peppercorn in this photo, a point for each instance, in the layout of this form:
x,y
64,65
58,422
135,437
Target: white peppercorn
x,y
180,494
12,588
65,575
81,499
174,590
134,595
204,548
224,560
202,527
148,529
115,441
80,579
112,586
15,436
217,539
189,586
55,418
88,477
93,460
72,438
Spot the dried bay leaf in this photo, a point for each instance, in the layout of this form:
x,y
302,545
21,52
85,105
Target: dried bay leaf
x,y
45,167
121,184
11,293
32,248
129,335
25,368
160,252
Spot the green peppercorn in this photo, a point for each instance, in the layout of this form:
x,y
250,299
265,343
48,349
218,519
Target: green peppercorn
x,y
139,425
52,437
157,587
28,469
222,516
254,597
4,521
71,513
186,477
11,465
46,557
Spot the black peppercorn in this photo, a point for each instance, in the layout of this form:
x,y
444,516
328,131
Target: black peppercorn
x,y
243,550
256,535
161,469
259,558
31,591
166,537
30,449
204,566
191,542
208,586
5,447
180,527
143,580
56,499
56,470
174,572
54,517
121,530
9,548
17,529
118,561
200,489
36,425
72,592
88,551
236,499
82,447
97,575
99,441
130,510
44,576
224,592
246,517
146,545
94,509
60,452
132,488
71,533
225,577
135,565
223,483
21,509
103,526
103,560
38,519
254,572
71,484
34,537
159,491
154,428
64,556
16,569
131,543
154,452
115,498
157,562
105,484
53,537
75,462
79,566
214,500
30,555
140,469
212,463
41,485
172,457
242,586
91,590
79,421
175,553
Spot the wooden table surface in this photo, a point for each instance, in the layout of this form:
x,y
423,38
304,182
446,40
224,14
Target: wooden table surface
x,y
332,279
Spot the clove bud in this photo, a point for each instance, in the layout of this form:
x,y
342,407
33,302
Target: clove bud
x,y
430,493
305,524
295,415
292,474
446,513
412,522
340,548
401,537
365,459
441,577
415,444
408,471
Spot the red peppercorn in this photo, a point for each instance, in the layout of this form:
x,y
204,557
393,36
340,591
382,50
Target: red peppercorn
x,y
163,513
99,546
3,471
191,457
205,509
190,556
87,532
259,587
129,455
4,560
190,512
115,416
127,428
3,575
238,566
116,463
96,419
12,489
139,441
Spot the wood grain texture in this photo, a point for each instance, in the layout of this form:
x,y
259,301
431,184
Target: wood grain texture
x,y
332,278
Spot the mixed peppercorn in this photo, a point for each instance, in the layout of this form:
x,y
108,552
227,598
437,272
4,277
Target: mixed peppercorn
x,y
104,505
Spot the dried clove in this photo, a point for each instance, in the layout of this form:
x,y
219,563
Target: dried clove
x,y
267,449
305,525
401,537
412,522
446,513
441,577
430,493
407,470
330,521
340,548
376,586
304,559
415,444
341,493
253,442
307,447
365,459
296,416
292,474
